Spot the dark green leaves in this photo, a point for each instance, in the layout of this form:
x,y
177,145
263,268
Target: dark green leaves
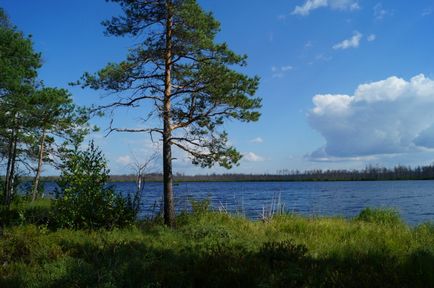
x,y
18,61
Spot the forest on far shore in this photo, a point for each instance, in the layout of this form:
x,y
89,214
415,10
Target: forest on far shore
x,y
370,173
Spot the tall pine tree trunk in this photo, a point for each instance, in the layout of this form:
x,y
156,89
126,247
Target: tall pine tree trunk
x,y
8,169
39,169
10,173
169,208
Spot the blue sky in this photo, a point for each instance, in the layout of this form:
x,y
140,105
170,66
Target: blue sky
x,y
344,83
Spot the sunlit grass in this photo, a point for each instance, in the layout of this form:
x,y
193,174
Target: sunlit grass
x,y
208,249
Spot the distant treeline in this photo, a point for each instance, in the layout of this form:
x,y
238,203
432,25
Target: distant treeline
x,y
370,173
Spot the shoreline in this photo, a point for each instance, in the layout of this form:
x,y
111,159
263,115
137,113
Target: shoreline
x,y
211,249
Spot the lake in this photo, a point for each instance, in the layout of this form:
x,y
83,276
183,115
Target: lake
x,y
413,199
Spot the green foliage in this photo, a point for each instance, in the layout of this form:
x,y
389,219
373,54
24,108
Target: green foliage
x,y
32,117
200,206
21,212
2,186
218,250
205,89
55,113
84,199
18,72
380,216
279,252
18,61
55,117
39,192
4,20
179,74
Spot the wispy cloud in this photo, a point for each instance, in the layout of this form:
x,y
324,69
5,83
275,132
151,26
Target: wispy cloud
x,y
257,140
380,12
311,5
308,6
427,12
321,155
323,57
320,57
281,17
124,160
271,37
371,37
352,42
279,72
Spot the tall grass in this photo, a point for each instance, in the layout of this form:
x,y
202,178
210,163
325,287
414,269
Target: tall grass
x,y
23,212
209,249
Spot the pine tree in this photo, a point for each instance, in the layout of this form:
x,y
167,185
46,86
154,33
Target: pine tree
x,y
187,80
54,116
18,72
30,115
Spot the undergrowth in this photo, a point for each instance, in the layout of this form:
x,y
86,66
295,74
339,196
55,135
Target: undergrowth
x,y
208,249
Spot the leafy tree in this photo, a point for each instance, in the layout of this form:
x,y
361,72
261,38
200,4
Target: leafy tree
x,y
55,116
187,80
84,199
18,72
32,118
4,20
18,61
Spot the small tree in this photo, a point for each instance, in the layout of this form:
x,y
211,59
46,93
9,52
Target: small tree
x,y
84,199
141,168
187,81
55,117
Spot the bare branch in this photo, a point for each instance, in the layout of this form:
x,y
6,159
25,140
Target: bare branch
x,y
132,130
184,139
131,102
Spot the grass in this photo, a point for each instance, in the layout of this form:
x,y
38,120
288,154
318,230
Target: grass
x,y
209,249
23,212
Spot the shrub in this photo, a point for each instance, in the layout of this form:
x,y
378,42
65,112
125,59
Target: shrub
x,y
380,216
285,251
200,206
85,200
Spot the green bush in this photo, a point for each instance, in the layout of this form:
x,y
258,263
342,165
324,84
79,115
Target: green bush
x,y
200,206
380,216
85,201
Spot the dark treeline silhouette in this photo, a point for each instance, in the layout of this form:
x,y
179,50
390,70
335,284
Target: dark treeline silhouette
x,y
370,173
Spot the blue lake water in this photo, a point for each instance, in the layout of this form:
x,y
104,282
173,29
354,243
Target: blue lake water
x,y
414,200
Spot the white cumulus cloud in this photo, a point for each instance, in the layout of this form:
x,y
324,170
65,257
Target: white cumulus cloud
x,y
352,42
392,116
310,5
252,157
